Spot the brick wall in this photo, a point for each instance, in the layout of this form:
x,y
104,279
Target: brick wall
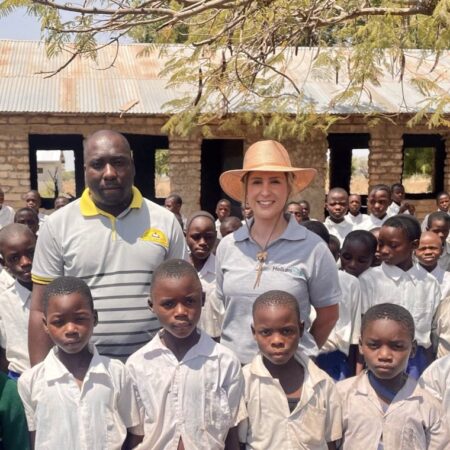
x,y
385,161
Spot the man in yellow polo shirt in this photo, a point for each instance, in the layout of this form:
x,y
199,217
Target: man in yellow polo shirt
x,y
113,239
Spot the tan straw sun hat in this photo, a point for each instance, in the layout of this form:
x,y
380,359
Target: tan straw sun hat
x,y
264,156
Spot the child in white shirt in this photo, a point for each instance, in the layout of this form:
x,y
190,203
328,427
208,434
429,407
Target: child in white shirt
x,y
76,399
383,408
191,387
17,244
398,280
201,238
290,402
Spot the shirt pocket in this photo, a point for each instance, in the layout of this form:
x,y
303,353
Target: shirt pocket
x,y
308,429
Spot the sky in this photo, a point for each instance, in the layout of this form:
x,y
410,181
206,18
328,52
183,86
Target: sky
x,y
20,26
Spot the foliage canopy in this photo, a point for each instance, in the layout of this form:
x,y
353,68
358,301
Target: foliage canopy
x,y
239,51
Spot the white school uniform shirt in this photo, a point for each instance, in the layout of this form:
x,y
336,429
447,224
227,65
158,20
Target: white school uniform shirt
x,y
14,314
6,215
356,220
217,223
347,328
412,421
213,310
416,290
340,230
444,259
197,399
315,420
394,209
371,222
6,279
95,417
436,380
443,278
440,330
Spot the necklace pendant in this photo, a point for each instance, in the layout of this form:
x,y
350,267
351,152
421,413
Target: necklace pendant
x,y
261,256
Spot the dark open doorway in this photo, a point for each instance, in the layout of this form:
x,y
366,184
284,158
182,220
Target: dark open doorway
x,y
144,149
73,177
217,156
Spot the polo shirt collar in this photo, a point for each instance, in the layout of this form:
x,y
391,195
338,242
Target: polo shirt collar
x,y
88,208
204,347
293,231
395,273
56,370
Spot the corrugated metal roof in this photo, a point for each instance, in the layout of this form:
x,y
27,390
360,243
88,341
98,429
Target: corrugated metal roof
x,y
88,86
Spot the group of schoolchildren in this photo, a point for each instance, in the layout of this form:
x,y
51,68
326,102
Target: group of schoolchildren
x,y
184,390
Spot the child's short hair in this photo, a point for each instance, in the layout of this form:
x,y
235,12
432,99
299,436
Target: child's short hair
x,y
292,202
408,223
176,198
389,311
223,200
231,221
439,216
380,187
441,194
276,298
396,186
6,233
200,214
67,286
26,210
334,240
318,228
174,268
363,236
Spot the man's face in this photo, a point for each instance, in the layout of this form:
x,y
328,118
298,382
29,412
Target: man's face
x,y
296,211
109,172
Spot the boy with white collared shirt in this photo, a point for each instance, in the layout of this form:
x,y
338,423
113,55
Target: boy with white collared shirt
x,y
383,408
398,280
354,215
377,202
76,399
191,387
17,244
337,207
290,402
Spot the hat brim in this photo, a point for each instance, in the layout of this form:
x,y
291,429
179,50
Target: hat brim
x,y
231,181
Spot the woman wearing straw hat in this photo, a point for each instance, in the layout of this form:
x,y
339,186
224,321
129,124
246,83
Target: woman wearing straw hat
x,y
273,252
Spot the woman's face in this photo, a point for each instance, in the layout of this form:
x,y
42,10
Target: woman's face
x,y
267,193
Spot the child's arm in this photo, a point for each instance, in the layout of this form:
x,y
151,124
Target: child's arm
x,y
131,441
3,361
232,439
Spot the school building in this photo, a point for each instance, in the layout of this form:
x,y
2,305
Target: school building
x,y
123,92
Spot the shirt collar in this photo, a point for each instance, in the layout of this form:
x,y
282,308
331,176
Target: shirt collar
x,y
293,231
363,387
88,208
23,292
414,274
209,266
55,369
204,347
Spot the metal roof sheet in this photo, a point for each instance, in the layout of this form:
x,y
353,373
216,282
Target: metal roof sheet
x,y
89,86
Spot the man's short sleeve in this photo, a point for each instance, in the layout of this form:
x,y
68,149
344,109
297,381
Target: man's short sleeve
x,y
177,245
48,262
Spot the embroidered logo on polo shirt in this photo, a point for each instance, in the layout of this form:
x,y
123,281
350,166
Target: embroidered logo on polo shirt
x,y
156,236
295,271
